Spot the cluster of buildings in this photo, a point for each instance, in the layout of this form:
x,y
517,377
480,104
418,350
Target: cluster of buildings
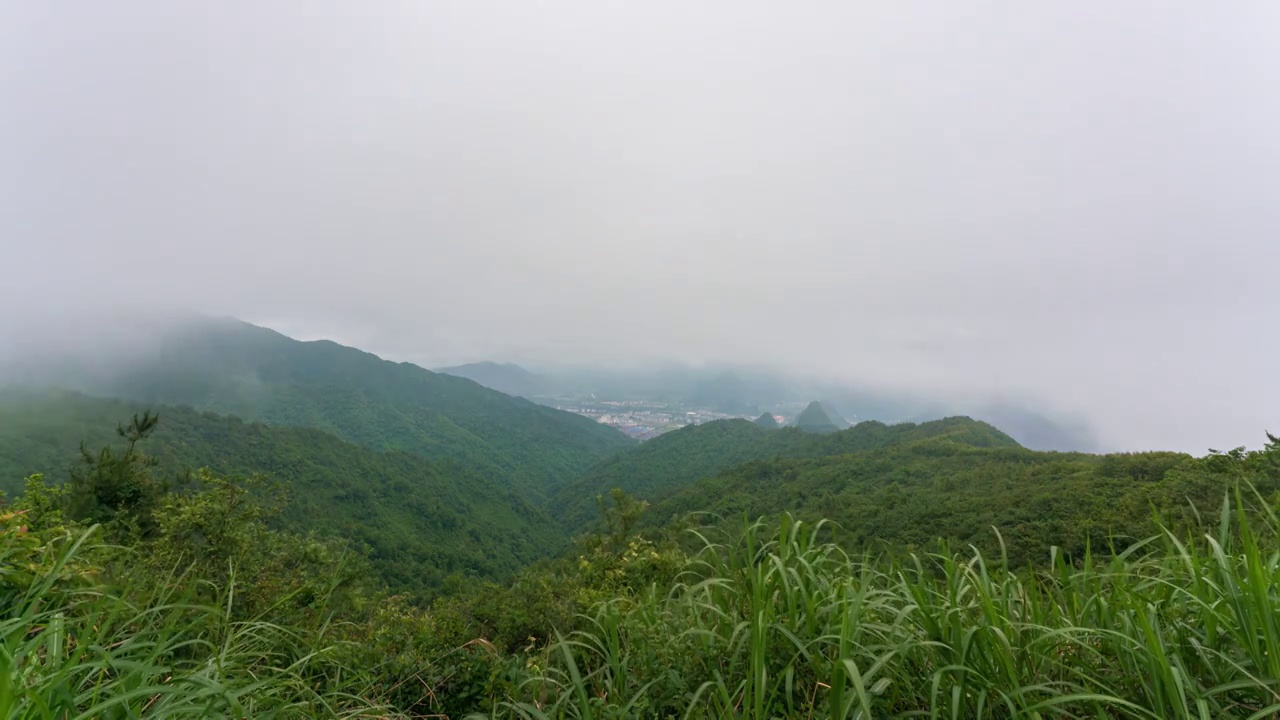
x,y
641,419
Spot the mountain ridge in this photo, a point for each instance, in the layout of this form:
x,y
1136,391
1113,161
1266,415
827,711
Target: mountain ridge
x,y
910,494
235,368
744,390
664,465
421,519
504,377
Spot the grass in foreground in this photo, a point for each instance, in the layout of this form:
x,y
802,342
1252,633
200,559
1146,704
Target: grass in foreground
x,y
773,623
71,648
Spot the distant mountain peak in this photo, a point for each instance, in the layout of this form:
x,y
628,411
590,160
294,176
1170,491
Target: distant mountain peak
x,y
507,378
766,420
815,418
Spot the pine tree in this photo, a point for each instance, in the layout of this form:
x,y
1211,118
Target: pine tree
x,y
117,490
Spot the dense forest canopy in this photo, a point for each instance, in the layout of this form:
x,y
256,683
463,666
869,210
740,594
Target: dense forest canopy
x,y
652,615
234,368
385,542
1021,502
419,520
674,460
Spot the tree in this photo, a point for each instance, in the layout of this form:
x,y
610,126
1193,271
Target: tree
x,y
117,490
620,518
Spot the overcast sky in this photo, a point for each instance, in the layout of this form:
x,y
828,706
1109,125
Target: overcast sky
x,y
1077,202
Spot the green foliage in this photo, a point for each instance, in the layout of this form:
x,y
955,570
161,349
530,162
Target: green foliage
x,y
1119,586
420,521
113,488
90,631
620,515
670,462
41,504
772,622
907,496
234,368
219,530
470,650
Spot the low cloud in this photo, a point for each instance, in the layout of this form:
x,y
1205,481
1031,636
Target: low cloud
x,y
1070,205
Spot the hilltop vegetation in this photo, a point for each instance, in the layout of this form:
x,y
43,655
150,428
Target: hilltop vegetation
x,y
672,461
931,570
420,520
772,622
234,368
753,621
908,495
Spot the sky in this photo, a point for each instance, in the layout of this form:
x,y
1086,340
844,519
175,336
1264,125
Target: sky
x,y
1070,202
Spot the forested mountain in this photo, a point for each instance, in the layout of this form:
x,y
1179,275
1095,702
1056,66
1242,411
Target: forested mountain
x,y
460,498
767,421
507,378
191,568
234,368
672,461
909,494
816,419
746,391
421,519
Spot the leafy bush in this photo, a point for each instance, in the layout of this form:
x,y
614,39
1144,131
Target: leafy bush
x,y
420,520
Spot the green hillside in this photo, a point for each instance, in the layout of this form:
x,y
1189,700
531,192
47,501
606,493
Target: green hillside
x,y
908,495
234,368
257,622
768,619
674,460
506,378
420,519
816,419
767,421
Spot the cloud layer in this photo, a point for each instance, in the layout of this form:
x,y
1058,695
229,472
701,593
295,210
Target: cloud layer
x,y
1074,204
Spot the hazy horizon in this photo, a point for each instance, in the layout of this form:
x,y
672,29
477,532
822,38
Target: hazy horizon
x,y
1065,204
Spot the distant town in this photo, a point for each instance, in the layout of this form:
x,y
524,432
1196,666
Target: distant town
x,y
645,419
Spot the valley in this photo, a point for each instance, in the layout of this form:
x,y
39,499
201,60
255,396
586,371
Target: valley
x,y
717,360
639,419
506,555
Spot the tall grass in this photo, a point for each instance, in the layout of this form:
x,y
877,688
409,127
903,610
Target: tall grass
x,y
70,648
767,621
774,622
